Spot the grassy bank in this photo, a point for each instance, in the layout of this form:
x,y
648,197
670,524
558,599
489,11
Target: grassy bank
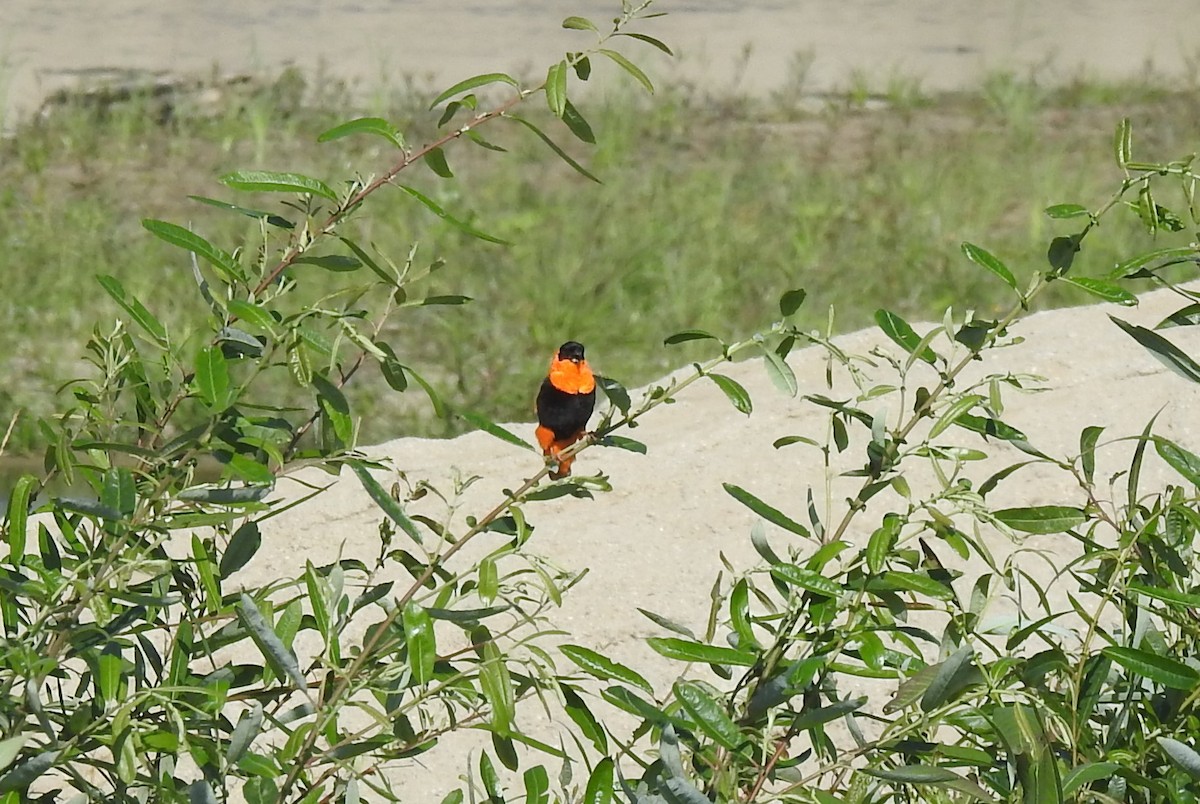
x,y
709,208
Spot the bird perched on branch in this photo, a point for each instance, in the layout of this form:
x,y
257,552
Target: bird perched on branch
x,y
564,405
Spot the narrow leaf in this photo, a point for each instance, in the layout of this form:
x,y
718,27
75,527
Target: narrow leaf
x,y
462,226
144,318
491,428
599,788
629,67
472,83
1165,671
190,241
421,641
734,391
384,500
985,259
708,713
686,651
1061,211
767,512
603,667
266,181
1042,519
556,88
553,146
364,125
281,659
1102,289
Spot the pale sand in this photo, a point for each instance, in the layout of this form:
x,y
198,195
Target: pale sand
x,y
655,541
945,44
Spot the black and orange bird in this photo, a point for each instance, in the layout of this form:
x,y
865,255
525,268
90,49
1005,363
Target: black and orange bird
x,y
564,404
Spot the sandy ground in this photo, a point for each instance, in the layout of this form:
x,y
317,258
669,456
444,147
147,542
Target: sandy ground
x,y
48,44
657,540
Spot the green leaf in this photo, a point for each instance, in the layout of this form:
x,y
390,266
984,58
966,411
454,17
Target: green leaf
x,y
384,500
577,709
985,259
683,650
1102,289
335,406
621,442
1061,211
689,335
1160,669
739,615
817,717
1181,460
212,378
1168,256
190,241
913,774
602,667
472,83
462,226
577,124
248,728
18,518
807,579
599,788
708,713
10,749
491,781
28,771
780,372
556,88
365,125
950,416
553,146
1123,143
421,641
489,427
439,407
650,40
257,214
1183,755
242,546
895,580
734,391
772,515
947,682
281,659
579,24
253,314
1042,519
790,302
1183,599
1086,774
339,263
1087,450
629,67
537,785
1061,253
435,160
144,318
899,331
497,687
266,181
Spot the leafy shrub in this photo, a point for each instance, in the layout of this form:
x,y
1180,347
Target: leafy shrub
x,y
136,669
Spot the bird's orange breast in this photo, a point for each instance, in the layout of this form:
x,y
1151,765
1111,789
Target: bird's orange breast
x,y
572,378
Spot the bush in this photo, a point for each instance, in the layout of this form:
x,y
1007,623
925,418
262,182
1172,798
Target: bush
x,y
136,668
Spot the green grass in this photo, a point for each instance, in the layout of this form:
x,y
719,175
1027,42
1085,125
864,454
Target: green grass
x,y
710,208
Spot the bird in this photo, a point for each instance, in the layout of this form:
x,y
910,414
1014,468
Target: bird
x,y
564,404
